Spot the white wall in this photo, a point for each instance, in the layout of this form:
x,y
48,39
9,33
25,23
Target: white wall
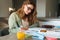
x,y
4,6
41,8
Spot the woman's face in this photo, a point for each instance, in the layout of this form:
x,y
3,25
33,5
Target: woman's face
x,y
28,8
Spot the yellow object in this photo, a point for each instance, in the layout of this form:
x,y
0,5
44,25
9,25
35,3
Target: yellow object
x,y
20,35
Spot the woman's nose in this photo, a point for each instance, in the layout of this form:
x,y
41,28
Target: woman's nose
x,y
29,11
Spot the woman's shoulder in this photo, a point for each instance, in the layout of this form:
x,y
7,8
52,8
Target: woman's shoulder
x,y
13,14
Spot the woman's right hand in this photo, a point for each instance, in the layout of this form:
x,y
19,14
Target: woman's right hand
x,y
24,28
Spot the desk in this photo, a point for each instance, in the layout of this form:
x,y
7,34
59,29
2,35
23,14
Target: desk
x,y
13,36
54,33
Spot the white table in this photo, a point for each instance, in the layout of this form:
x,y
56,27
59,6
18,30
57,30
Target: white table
x,y
48,33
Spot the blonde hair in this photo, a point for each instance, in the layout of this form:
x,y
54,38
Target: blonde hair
x,y
32,18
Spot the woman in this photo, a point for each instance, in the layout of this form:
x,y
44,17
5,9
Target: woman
x,y
23,17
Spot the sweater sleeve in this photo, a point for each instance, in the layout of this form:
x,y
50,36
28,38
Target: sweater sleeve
x,y
12,24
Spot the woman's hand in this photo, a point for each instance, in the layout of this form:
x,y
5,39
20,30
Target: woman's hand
x,y
24,28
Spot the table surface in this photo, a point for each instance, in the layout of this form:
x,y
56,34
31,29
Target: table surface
x,y
48,33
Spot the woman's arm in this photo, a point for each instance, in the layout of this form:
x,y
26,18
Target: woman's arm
x,y
13,27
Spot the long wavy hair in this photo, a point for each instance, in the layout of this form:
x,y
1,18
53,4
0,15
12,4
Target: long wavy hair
x,y
32,17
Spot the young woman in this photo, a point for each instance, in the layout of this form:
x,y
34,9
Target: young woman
x,y
26,16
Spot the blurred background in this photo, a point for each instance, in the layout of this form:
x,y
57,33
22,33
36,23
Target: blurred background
x,y
45,8
47,11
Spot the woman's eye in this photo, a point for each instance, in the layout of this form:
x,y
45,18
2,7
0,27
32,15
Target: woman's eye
x,y
29,8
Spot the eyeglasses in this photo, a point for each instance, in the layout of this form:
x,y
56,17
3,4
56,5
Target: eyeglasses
x,y
29,8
